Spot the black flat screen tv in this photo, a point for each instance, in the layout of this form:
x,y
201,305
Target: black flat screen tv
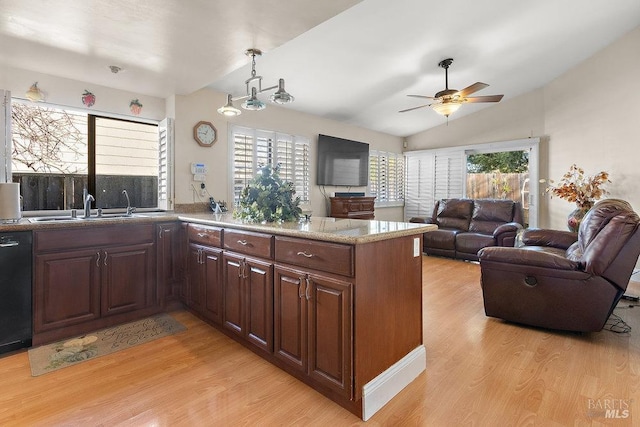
x,y
342,162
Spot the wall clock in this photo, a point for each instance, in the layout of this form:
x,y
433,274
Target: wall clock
x,y
205,133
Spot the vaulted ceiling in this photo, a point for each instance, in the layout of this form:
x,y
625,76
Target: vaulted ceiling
x,y
348,60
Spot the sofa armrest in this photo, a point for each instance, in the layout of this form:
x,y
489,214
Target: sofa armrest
x,y
543,237
510,227
519,256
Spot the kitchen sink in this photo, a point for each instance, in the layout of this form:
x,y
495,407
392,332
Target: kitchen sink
x,y
92,218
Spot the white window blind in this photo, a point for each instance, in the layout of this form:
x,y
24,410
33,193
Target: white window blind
x,y
165,164
386,178
254,148
432,175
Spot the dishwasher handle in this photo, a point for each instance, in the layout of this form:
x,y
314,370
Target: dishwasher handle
x,y
9,243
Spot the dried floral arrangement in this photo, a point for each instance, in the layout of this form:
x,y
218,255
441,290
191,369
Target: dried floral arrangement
x,y
574,186
268,199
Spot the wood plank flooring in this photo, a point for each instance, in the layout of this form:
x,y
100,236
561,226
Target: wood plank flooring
x,y
480,372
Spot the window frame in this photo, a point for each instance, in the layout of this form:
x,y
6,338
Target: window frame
x,y
167,202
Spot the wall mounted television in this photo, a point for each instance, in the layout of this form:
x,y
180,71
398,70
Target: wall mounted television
x,y
342,162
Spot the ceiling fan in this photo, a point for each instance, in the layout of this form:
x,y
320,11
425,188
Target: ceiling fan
x,y
448,101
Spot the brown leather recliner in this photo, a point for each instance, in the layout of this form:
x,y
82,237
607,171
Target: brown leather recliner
x,y
555,281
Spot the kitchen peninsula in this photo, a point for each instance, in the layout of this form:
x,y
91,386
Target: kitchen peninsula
x,y
343,308
337,303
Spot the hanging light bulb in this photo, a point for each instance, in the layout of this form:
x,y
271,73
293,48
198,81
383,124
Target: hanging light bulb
x,y
228,109
253,103
281,96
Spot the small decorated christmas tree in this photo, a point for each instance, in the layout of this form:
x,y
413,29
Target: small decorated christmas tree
x,y
268,199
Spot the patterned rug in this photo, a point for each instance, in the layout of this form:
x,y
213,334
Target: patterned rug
x,y
50,357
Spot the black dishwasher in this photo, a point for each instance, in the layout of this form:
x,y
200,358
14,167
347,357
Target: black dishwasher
x,y
15,290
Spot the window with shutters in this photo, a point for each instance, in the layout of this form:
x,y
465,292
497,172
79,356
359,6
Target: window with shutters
x,y
58,152
254,148
386,178
432,175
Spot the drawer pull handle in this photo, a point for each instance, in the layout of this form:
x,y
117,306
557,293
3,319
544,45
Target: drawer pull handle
x,y
243,242
304,254
202,234
106,254
98,259
302,284
308,285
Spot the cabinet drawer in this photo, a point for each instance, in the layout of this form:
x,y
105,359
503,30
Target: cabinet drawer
x,y
324,256
209,236
81,237
246,242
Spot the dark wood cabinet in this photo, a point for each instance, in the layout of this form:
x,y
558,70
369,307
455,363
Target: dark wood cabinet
x,y
85,277
66,289
312,322
170,262
126,279
248,299
353,207
204,287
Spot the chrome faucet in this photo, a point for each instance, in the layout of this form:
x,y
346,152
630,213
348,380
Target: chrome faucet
x,y
87,199
130,210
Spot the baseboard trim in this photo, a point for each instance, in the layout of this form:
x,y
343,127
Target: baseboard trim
x,y
380,390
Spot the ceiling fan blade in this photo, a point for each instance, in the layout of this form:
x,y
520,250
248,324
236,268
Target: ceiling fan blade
x,y
488,98
414,108
471,89
421,96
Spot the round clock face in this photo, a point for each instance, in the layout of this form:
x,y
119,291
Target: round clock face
x,y
205,134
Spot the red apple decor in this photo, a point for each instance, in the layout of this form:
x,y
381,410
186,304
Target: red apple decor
x,y
135,106
88,98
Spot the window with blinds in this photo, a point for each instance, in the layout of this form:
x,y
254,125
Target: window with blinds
x,y
432,176
386,178
165,164
253,149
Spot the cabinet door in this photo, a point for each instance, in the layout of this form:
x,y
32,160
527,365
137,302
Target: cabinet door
x,y
258,303
290,317
128,278
168,261
248,299
232,288
66,289
212,265
330,333
194,293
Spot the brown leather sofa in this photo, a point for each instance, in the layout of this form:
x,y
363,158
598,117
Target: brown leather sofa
x,y
560,280
467,225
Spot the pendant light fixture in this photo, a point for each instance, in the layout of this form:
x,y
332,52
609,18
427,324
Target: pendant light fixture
x,y
254,88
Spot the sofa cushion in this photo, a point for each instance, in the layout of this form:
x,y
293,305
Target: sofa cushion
x,y
471,243
441,239
490,214
454,213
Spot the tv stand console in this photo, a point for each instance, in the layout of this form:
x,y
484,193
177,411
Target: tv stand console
x,y
352,207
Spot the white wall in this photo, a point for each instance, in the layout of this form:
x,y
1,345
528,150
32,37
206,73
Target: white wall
x,y
68,93
202,105
589,116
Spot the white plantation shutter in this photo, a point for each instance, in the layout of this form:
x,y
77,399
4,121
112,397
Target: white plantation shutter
x,y
386,178
432,175
165,164
253,149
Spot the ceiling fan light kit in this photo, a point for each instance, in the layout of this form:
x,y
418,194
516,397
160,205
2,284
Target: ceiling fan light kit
x,y
254,88
448,101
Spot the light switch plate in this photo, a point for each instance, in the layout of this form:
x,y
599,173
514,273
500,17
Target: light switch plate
x,y
416,246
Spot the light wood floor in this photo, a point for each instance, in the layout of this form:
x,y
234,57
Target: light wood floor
x,y
480,372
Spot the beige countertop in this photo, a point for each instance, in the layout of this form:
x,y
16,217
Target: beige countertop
x,y
339,230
